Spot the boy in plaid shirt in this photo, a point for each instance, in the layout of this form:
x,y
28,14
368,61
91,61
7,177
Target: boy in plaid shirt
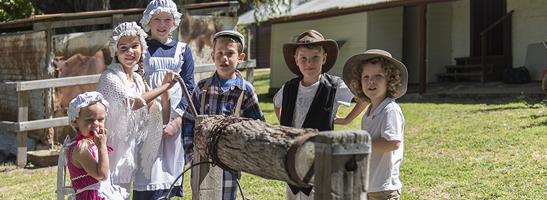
x,y
223,90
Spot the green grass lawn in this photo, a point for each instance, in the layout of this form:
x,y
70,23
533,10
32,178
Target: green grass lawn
x,y
452,151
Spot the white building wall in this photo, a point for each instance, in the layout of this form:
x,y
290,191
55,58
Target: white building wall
x,y
461,17
349,28
385,31
439,39
529,27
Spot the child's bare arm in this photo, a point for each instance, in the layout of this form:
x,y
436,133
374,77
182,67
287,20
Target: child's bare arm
x,y
170,130
166,107
384,145
97,170
168,83
359,107
277,110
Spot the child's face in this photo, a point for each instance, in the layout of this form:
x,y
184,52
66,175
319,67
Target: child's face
x,y
91,119
310,61
374,82
160,25
226,58
129,51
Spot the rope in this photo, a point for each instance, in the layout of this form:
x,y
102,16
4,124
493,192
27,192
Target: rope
x,y
215,134
166,197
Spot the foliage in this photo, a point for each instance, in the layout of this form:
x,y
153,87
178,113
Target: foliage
x,y
16,9
266,9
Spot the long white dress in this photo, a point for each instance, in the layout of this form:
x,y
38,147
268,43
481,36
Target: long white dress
x,y
169,162
128,128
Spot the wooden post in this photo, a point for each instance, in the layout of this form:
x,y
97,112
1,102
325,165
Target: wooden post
x,y
49,91
483,57
341,165
22,116
250,74
116,20
206,180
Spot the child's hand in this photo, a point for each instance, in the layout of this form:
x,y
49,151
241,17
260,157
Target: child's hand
x,y
99,136
169,131
340,120
170,78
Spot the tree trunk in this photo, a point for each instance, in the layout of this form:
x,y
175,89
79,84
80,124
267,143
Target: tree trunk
x,y
247,145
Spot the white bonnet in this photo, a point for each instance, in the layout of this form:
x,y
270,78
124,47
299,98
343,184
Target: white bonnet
x,y
157,6
83,100
127,29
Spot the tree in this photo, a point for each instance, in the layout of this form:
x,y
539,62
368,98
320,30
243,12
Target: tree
x,y
16,9
19,9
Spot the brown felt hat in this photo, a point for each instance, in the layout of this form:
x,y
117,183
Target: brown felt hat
x,y
373,53
311,37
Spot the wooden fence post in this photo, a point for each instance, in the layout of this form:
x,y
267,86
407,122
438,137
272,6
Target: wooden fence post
x,y
116,20
22,116
207,179
341,165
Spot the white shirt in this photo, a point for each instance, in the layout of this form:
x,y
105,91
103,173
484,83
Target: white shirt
x,y
305,98
387,122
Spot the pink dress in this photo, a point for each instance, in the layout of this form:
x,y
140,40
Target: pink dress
x,y
80,178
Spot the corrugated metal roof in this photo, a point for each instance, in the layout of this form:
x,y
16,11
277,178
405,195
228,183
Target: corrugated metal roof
x,y
22,58
323,5
310,6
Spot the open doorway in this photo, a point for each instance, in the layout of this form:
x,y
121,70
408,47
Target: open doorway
x,y
483,14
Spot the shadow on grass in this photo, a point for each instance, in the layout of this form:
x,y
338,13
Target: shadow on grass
x,y
536,117
265,98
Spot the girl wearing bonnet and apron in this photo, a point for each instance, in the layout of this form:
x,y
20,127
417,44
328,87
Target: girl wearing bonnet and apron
x,y
160,19
135,118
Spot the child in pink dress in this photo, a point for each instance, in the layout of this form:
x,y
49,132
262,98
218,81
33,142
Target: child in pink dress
x,y
87,155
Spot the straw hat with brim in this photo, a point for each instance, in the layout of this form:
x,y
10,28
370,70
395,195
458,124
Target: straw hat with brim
x,y
373,53
311,37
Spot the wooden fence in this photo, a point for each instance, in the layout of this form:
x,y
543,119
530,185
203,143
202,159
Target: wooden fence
x,y
22,125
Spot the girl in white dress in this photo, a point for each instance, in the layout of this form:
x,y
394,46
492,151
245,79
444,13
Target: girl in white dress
x,y
135,116
164,54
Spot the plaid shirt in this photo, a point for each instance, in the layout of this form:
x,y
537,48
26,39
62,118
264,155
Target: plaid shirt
x,y
222,103
219,103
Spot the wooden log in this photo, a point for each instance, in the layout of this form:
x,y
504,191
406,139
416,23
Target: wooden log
x,y
251,146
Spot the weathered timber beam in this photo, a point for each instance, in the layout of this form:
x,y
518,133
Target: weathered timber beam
x,y
72,23
33,125
250,146
49,83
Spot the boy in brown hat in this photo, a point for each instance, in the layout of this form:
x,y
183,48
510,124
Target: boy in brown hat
x,y
312,99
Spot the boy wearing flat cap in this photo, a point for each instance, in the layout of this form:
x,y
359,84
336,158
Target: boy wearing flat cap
x,y
311,100
226,93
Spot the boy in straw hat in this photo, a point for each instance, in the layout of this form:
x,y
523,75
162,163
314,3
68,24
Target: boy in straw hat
x,y
312,99
378,78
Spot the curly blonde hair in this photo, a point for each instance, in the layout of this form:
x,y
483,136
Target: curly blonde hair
x,y
393,75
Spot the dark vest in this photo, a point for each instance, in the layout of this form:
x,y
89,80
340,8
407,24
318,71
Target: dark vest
x,y
320,113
